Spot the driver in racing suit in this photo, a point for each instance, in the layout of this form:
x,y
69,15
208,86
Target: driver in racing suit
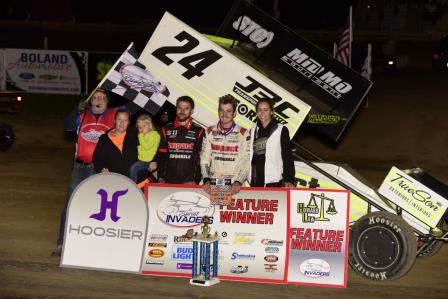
x,y
225,149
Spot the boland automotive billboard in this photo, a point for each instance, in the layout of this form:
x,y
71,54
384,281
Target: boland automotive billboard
x,y
45,71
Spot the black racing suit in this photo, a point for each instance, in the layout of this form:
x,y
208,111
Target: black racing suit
x,y
178,154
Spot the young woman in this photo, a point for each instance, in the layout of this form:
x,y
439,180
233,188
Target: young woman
x,y
117,149
272,164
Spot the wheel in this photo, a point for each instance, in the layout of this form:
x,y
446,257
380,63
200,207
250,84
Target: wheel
x,y
382,246
6,137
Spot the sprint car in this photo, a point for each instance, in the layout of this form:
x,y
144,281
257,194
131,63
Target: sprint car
x,y
389,227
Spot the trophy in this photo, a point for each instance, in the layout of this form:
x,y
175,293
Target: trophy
x,y
205,256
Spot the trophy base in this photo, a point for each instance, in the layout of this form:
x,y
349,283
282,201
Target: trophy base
x,y
204,283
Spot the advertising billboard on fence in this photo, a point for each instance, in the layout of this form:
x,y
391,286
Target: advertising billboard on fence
x,y
190,64
45,71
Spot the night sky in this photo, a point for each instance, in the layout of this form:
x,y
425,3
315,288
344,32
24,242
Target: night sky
x,y
316,14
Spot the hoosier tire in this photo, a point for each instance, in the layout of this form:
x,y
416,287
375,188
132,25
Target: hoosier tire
x,y
382,246
6,137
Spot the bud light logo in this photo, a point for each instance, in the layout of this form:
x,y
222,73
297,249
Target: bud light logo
x,y
185,209
108,205
315,268
182,253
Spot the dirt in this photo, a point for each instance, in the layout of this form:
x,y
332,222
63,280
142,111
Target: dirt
x,y
404,125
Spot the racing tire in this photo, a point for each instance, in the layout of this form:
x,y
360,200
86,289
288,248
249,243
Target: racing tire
x,y
6,137
382,246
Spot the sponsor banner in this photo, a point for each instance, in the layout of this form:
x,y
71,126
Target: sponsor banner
x,y
99,65
413,197
45,71
313,74
192,65
252,231
318,237
106,225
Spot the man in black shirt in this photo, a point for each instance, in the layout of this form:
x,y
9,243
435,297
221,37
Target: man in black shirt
x,y
177,160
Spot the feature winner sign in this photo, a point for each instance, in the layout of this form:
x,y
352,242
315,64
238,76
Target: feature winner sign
x,y
252,231
192,65
318,237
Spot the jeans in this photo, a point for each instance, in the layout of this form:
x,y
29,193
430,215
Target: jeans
x,y
80,172
136,168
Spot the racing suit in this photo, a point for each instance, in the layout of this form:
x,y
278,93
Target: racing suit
x,y
225,154
178,155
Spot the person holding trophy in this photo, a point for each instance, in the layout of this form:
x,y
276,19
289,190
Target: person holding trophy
x,y
225,149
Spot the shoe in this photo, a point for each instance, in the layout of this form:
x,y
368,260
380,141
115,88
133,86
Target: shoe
x,y
57,251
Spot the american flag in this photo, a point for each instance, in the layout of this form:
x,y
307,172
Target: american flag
x,y
344,45
130,78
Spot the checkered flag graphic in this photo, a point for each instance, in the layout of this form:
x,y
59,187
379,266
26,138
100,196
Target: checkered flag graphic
x,y
130,78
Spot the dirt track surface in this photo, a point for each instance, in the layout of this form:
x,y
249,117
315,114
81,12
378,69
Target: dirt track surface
x,y
405,124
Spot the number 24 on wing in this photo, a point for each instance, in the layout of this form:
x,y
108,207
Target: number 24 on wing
x,y
194,64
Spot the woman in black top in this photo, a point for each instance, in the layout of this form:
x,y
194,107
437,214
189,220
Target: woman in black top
x,y
117,149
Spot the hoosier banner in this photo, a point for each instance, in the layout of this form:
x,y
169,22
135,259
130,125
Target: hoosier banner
x,y
192,65
252,231
318,237
314,75
106,225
